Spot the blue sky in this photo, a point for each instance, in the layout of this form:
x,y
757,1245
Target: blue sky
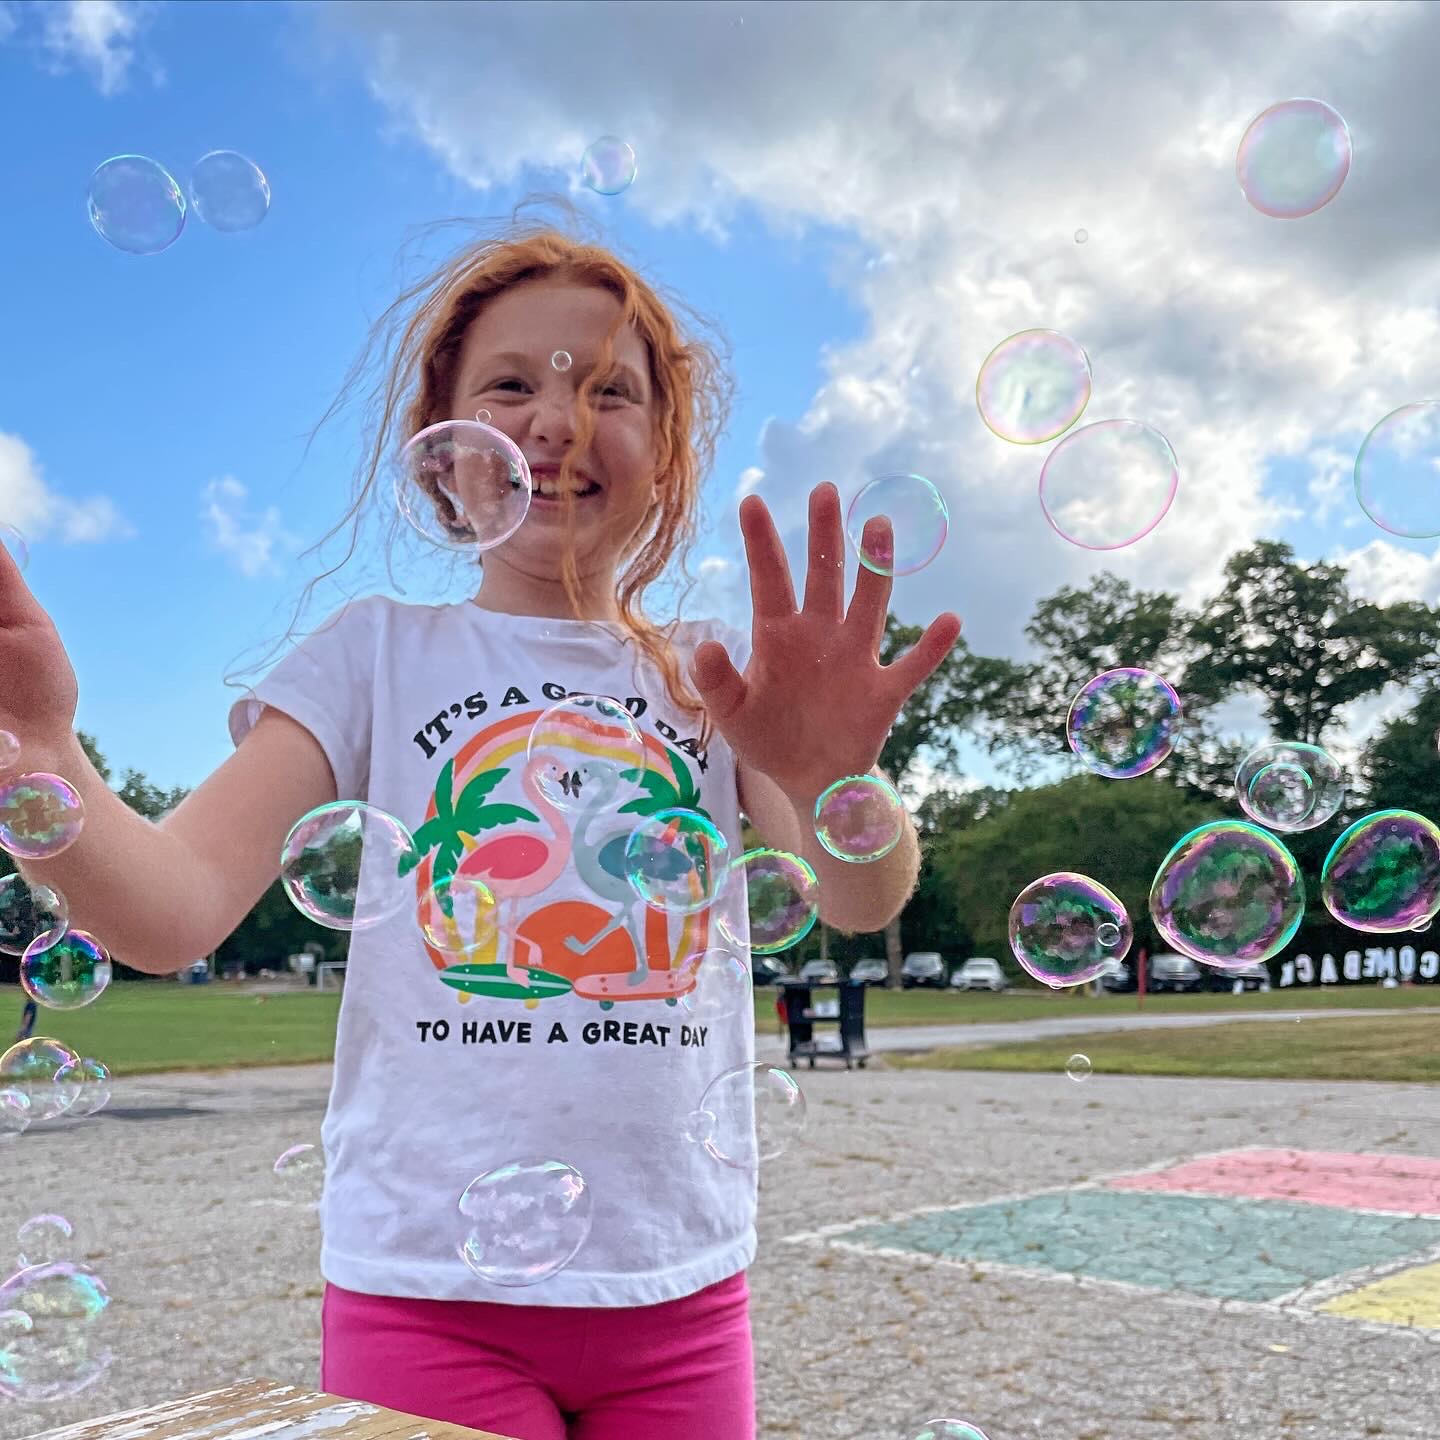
x,y
865,208
146,378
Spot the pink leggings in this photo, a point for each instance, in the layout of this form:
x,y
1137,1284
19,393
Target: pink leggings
x,y
535,1372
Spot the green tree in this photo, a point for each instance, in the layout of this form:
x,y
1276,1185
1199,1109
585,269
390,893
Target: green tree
x,y
1076,633
1294,635
927,731
1114,831
1400,768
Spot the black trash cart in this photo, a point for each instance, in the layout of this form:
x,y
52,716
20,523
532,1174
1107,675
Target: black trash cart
x,y
846,1012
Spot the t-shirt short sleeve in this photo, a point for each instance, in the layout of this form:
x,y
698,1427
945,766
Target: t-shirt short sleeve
x,y
327,684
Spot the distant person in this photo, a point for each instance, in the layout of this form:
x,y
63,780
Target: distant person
x,y
601,415
28,1017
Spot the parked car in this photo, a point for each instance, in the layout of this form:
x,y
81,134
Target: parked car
x,y
1178,973
923,968
1252,977
820,972
870,972
765,970
1118,977
979,972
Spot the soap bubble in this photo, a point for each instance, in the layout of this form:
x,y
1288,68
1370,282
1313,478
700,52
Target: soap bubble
x,y
782,894
463,485
1109,484
73,971
1108,935
14,1111
608,166
30,915
756,1112
1081,236
1078,1067
301,1171
586,752
136,205
1033,386
61,1351
18,548
343,864
458,914
677,860
919,523
1124,722
1397,472
860,818
9,745
1293,158
526,1221
1228,894
40,815
561,360
721,988
30,1066
950,1430
86,1087
1383,873
1286,785
483,417
229,192
43,1240
1055,926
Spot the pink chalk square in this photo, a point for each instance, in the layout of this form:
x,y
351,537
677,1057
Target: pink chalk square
x,y
1394,1184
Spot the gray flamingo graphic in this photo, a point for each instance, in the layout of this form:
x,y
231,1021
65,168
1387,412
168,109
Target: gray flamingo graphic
x,y
600,860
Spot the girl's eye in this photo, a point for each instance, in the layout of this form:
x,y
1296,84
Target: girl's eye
x,y
510,383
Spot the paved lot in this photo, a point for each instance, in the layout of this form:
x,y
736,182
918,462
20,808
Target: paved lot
x,y
1054,1302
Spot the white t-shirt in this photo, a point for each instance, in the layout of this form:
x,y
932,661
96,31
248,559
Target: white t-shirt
x,y
433,1086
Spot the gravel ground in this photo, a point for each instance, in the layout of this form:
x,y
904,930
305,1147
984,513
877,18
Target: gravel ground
x,y
214,1280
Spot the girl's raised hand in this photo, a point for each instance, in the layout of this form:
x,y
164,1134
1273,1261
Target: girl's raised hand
x,y
814,703
38,692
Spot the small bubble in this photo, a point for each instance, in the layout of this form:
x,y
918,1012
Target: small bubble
x,y
483,416
1078,1067
1108,935
1081,236
561,360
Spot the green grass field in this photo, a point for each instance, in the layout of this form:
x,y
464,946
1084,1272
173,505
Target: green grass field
x,y
139,1027
1379,1047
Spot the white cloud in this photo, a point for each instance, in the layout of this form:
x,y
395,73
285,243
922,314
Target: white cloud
x,y
750,479
35,509
248,538
945,145
97,36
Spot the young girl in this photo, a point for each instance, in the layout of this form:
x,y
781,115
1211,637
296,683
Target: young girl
x,y
645,1334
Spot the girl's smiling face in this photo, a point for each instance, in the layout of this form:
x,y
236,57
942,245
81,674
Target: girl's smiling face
x,y
505,367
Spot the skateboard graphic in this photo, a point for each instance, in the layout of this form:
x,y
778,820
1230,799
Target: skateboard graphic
x,y
498,981
667,985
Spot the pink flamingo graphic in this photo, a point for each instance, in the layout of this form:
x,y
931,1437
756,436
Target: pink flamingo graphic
x,y
519,864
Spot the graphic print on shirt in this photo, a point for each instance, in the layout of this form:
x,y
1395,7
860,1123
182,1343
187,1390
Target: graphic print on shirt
x,y
610,948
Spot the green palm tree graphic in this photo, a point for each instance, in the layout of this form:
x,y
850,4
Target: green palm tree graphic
x,y
662,793
457,820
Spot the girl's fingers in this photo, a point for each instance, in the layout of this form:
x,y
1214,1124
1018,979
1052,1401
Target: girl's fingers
x,y
720,685
771,593
825,575
871,601
918,663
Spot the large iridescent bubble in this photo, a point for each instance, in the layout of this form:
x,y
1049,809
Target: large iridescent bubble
x,y
1286,785
1066,929
71,973
1383,873
525,1221
1397,471
31,1067
1033,386
1228,894
1124,722
1109,484
1293,158
61,1349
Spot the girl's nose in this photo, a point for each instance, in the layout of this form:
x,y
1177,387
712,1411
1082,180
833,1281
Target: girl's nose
x,y
552,416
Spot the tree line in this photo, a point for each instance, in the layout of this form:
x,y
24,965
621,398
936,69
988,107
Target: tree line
x,y
1290,635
